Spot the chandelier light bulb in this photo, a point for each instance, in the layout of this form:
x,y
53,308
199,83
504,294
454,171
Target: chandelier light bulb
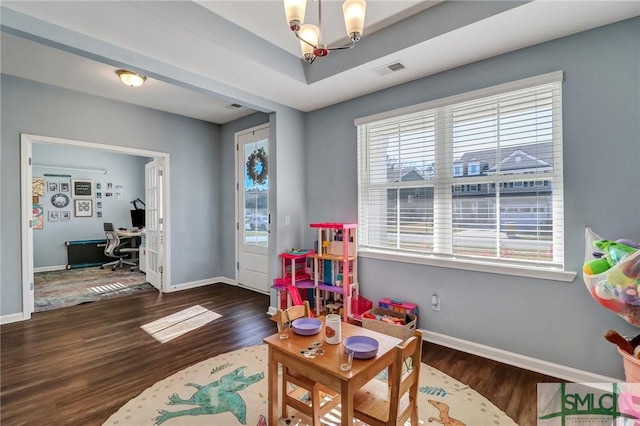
x,y
309,34
294,12
353,11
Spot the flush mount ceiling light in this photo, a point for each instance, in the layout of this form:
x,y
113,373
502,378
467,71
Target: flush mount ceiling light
x,y
310,36
130,78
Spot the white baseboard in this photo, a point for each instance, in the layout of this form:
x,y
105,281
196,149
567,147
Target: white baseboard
x,y
200,283
50,268
517,360
7,319
272,311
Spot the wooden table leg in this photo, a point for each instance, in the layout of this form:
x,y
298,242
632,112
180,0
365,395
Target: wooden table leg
x,y
273,388
346,400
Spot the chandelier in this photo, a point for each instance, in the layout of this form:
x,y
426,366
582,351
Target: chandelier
x,y
310,36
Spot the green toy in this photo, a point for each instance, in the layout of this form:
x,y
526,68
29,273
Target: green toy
x,y
614,251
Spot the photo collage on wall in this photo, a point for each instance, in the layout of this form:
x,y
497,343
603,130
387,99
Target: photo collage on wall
x,y
58,198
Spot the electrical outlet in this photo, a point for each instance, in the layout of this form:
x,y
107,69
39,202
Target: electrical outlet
x,y
435,303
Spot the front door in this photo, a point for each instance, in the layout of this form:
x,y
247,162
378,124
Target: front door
x,y
154,222
253,208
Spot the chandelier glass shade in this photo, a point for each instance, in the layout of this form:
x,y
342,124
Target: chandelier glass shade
x,y
310,35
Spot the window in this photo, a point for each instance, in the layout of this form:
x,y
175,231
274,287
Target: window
x,y
511,130
474,169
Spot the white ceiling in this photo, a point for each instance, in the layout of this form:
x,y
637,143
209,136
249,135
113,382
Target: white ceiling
x,y
203,56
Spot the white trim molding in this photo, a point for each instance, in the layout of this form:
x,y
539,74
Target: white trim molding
x,y
200,283
50,268
517,360
7,319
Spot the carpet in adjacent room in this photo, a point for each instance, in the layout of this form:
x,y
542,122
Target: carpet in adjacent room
x,y
59,289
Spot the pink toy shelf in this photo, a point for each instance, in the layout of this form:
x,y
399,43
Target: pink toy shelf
x,y
294,276
335,270
328,275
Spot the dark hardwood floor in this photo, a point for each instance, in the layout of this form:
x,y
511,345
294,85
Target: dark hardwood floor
x,y
78,365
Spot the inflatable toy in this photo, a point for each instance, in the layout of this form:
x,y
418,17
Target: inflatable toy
x,y
611,272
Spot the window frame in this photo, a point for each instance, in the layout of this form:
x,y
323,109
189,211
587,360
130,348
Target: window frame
x,y
493,265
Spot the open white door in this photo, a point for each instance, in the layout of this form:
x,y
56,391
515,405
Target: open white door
x,y
253,208
154,226
32,215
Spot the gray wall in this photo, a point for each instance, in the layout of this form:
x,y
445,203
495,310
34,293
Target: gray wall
x,y
193,145
553,321
123,170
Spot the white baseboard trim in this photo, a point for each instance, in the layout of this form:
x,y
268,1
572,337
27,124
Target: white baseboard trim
x,y
199,283
7,319
50,268
272,311
517,360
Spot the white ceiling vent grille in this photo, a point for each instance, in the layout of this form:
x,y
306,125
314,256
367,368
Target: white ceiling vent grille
x,y
389,68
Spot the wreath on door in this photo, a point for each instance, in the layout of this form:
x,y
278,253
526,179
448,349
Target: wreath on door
x,y
259,156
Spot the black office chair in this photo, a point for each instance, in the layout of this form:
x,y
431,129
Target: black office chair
x,y
117,249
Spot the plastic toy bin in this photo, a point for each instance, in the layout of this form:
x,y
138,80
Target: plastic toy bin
x,y
360,305
400,331
631,367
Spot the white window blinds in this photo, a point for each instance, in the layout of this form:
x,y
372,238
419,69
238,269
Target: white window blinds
x,y
476,176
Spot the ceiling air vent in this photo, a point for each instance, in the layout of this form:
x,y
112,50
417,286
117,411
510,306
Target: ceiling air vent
x,y
235,106
389,68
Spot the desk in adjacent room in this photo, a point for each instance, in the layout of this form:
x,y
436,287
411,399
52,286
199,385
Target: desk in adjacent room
x,y
134,240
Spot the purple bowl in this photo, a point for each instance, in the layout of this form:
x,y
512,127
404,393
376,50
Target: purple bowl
x,y
363,347
306,326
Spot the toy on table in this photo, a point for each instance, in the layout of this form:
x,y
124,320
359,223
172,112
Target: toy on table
x,y
612,275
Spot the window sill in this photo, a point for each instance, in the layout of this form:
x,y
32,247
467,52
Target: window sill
x,y
518,271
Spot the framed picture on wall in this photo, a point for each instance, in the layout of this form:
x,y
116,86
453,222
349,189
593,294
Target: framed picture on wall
x,y
65,216
83,208
81,188
54,215
64,186
37,220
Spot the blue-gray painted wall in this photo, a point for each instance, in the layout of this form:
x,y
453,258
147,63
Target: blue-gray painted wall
x,y
193,145
553,321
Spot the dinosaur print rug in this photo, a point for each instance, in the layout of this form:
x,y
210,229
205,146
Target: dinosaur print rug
x,y
231,389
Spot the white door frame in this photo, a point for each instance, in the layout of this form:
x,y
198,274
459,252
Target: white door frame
x,y
26,193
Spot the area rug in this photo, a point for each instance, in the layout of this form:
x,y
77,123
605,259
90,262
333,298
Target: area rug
x,y
231,389
59,289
